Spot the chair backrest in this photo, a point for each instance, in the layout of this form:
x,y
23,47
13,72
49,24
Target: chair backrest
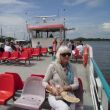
x,y
77,53
1,54
44,50
38,75
24,54
24,49
80,84
29,53
7,83
33,85
17,79
37,50
6,54
79,91
15,54
31,49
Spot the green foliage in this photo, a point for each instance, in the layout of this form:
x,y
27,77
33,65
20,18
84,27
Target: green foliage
x,y
10,38
80,39
3,38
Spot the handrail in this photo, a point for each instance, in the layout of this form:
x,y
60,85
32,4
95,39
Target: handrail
x,y
102,78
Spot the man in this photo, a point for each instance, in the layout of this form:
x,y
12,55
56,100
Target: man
x,y
7,47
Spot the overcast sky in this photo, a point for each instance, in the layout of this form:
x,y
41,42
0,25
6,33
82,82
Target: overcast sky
x,y
91,18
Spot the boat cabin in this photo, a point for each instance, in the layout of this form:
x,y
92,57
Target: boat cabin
x,y
49,31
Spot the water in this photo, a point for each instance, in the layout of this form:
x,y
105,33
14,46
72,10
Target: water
x,y
101,54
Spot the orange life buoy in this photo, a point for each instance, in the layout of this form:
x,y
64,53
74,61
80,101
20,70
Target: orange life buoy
x,y
85,56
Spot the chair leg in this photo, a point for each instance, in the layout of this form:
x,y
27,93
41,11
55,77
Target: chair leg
x,y
76,59
25,62
29,62
14,98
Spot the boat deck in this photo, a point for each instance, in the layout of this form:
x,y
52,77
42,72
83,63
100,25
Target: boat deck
x,y
39,67
82,73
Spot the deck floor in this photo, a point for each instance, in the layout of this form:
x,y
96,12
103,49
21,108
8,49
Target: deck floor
x,y
39,67
82,73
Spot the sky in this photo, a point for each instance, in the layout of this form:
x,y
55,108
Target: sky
x,y
90,18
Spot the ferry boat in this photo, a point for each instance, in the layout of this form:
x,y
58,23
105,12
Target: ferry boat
x,y
96,91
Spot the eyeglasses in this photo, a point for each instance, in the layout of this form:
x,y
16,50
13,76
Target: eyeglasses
x,y
65,54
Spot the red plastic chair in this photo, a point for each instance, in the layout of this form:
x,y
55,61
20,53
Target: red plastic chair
x,y
1,55
17,79
24,57
14,55
24,49
6,88
5,55
18,84
77,55
30,49
30,52
36,52
44,50
79,93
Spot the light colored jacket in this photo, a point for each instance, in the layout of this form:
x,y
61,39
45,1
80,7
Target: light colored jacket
x,y
58,77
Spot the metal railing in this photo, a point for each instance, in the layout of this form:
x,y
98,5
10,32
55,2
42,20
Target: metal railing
x,y
100,89
102,79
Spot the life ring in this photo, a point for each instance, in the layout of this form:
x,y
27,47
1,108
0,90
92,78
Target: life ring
x,y
85,56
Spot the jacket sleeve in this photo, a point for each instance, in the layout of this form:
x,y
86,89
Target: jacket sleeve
x,y
48,75
75,85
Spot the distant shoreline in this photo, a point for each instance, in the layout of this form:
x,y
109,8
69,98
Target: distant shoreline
x,y
90,39
96,40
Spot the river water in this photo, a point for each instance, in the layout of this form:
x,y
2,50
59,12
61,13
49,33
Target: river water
x,y
101,54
